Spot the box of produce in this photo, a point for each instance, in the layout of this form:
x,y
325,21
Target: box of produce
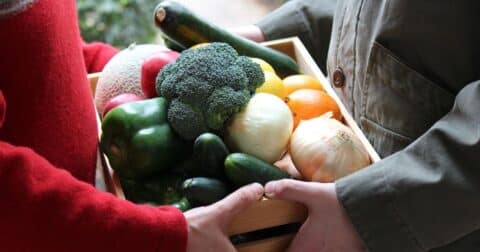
x,y
188,124
234,154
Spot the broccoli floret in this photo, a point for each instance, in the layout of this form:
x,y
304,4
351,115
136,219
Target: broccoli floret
x,y
168,90
236,78
186,120
223,103
253,71
205,86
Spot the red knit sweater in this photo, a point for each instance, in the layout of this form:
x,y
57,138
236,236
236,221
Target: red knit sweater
x,y
48,144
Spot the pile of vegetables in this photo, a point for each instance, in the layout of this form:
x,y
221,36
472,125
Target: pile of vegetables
x,y
214,119
170,149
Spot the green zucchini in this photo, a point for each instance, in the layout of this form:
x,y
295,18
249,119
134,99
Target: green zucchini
x,y
210,152
186,28
202,191
173,45
242,169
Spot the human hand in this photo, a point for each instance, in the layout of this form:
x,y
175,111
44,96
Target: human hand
x,y
207,226
327,227
251,32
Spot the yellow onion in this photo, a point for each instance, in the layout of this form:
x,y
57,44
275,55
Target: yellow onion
x,y
262,129
324,150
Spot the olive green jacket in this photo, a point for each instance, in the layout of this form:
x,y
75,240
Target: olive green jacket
x,y
408,71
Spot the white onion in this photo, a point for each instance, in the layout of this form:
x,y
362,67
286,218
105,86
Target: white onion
x,y
324,150
262,129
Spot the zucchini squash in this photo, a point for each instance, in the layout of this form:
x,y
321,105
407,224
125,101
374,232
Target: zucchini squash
x,y
202,191
186,28
210,153
242,169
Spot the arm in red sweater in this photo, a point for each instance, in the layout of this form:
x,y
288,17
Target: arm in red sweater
x,y
48,109
46,209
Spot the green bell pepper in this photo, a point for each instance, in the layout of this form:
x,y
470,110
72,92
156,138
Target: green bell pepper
x,y
138,140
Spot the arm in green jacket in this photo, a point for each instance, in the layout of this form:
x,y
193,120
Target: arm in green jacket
x,y
310,20
428,195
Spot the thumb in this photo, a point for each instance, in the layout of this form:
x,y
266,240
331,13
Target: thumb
x,y
292,190
237,202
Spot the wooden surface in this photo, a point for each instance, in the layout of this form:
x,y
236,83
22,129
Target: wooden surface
x,y
275,244
266,213
93,78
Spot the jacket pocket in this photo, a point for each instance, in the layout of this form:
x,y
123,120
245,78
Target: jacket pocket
x,y
398,104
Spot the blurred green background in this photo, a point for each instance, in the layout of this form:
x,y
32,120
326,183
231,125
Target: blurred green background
x,y
117,22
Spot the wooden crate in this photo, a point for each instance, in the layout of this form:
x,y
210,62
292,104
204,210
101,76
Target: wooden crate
x,y
266,213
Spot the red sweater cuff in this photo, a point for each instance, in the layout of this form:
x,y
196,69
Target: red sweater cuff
x,y
97,55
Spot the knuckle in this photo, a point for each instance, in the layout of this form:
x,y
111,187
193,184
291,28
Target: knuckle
x,y
289,187
284,185
244,195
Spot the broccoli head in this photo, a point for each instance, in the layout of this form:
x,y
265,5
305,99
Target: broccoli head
x,y
186,119
205,86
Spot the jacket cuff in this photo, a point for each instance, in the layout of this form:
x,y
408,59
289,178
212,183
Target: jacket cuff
x,y
285,21
369,202
311,21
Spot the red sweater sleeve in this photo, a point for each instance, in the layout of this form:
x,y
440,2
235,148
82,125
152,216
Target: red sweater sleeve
x,y
48,145
46,209
96,55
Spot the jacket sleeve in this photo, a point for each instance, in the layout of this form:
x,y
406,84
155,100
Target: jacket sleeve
x,y
311,21
45,208
427,195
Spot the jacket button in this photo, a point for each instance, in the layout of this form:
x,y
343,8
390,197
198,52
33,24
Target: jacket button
x,y
338,78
